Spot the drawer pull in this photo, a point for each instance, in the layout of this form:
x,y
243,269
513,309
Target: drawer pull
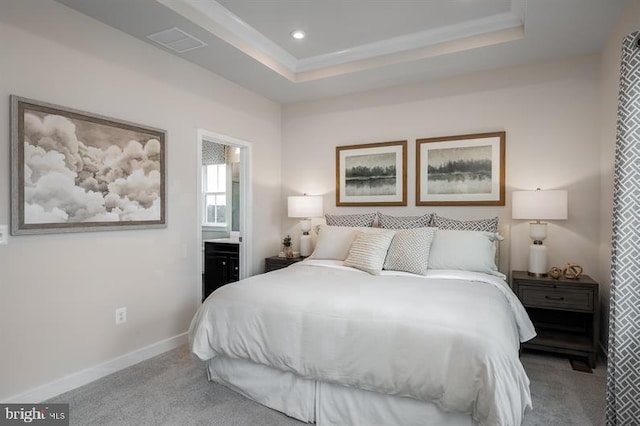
x,y
224,263
236,268
554,297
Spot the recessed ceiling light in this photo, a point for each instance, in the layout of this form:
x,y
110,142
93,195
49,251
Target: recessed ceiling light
x,y
298,34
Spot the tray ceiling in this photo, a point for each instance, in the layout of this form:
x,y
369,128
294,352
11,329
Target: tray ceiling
x,y
359,45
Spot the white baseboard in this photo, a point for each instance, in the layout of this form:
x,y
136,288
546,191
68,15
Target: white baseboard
x,y
88,375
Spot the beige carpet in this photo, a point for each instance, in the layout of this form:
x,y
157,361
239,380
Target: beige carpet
x,y
172,389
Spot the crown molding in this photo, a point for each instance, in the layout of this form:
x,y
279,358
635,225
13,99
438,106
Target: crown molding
x,y
409,42
222,23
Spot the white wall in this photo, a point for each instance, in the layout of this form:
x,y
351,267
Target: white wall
x,y
611,55
550,113
58,293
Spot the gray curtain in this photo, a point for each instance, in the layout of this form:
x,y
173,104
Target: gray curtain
x,y
623,374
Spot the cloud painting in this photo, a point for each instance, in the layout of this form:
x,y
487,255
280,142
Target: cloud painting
x,y
87,171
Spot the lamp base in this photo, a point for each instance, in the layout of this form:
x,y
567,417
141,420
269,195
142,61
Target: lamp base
x,y
537,260
305,245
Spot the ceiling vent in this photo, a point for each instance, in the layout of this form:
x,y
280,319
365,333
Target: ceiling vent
x,y
177,40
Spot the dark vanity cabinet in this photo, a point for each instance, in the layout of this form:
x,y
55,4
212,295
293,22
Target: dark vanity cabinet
x,y
221,265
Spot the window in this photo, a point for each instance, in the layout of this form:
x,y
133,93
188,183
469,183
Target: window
x,y
214,192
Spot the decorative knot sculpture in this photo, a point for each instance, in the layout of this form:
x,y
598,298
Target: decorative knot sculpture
x,y
555,272
572,271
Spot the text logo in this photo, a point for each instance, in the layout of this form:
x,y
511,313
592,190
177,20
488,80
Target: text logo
x,y
34,414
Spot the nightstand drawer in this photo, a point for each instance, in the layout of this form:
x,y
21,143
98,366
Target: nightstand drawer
x,y
564,298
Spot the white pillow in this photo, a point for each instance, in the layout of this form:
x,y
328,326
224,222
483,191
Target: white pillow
x,y
334,242
464,250
409,250
368,251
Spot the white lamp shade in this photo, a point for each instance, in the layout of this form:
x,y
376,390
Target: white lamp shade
x,y
305,206
539,205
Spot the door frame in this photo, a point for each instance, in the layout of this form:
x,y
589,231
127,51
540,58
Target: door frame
x,y
246,208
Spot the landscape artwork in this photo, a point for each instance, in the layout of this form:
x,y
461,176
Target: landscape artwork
x,y
371,174
74,171
461,170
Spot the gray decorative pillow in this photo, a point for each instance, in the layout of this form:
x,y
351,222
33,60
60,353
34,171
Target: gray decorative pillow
x,y
368,251
353,220
409,250
486,225
403,222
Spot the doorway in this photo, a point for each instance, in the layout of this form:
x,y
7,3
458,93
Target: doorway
x,y
225,206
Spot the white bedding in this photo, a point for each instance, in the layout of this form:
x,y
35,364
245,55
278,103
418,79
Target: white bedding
x,y
450,338
326,404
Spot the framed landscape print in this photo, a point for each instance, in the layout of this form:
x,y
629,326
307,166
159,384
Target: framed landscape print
x,y
372,174
465,170
73,171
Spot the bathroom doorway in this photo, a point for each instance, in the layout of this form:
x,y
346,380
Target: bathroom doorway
x,y
224,191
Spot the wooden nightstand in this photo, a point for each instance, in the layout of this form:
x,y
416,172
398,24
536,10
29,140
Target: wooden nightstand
x,y
564,312
276,262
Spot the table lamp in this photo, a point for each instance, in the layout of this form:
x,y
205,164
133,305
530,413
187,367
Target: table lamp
x,y
539,205
305,207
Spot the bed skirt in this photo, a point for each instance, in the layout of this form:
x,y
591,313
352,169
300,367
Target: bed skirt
x,y
323,403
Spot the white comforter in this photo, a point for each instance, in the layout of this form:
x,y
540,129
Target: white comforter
x,y
450,338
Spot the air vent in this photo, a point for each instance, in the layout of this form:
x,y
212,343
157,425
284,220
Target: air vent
x,y
177,40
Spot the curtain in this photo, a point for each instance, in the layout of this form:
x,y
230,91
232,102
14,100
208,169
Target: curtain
x,y
213,153
219,153
623,374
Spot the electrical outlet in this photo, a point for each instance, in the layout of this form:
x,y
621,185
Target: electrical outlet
x,y
121,316
4,234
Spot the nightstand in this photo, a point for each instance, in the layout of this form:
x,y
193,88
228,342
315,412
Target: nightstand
x,y
276,262
564,312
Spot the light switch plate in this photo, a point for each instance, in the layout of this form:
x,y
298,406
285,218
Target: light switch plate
x,y
4,234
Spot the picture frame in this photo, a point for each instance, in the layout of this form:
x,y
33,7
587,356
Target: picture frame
x,y
462,170
73,171
373,174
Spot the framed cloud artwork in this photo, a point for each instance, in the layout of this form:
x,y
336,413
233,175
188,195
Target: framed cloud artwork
x,y
372,174
464,170
73,171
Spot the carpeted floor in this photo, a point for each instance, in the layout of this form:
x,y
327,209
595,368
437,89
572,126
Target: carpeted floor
x,y
562,396
172,389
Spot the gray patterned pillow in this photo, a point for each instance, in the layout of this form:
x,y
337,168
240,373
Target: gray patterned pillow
x,y
403,222
353,220
369,250
409,250
487,225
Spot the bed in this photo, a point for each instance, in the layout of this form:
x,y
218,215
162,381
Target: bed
x,y
333,341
